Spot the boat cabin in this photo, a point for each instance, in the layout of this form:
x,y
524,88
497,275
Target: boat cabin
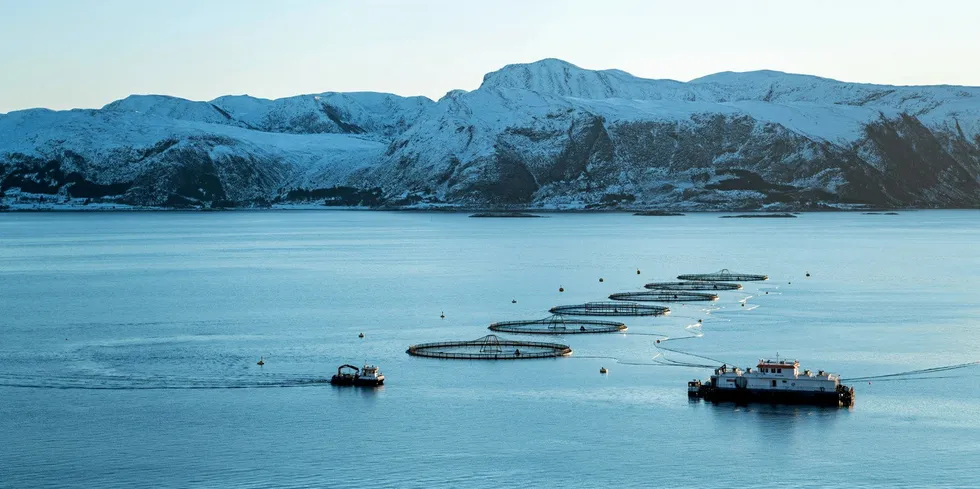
x,y
779,368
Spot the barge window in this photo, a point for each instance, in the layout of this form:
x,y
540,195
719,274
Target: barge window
x,y
774,383
779,370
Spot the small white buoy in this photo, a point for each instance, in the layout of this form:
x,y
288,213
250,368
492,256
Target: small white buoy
x,y
261,362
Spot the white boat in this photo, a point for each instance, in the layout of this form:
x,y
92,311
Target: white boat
x,y
777,381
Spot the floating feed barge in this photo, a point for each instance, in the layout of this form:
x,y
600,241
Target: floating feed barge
x,y
663,296
489,347
724,275
778,381
693,285
613,308
558,324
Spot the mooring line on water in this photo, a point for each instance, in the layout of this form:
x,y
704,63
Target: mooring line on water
x,y
916,378
691,355
624,362
910,373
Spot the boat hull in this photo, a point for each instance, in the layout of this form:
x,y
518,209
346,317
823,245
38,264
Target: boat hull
x,y
345,380
745,396
369,382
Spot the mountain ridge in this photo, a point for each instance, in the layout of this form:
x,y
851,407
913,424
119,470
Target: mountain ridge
x,y
544,135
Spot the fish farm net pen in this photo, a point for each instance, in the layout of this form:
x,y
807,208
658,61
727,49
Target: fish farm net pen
x,y
611,309
558,324
724,275
693,285
489,347
663,296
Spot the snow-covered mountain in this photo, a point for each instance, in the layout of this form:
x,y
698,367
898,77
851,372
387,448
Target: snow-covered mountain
x,y
540,135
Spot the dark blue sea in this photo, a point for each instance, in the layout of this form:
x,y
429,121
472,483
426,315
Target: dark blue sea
x,y
129,342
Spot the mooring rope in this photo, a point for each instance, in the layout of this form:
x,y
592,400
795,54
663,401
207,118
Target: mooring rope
x,y
719,362
900,375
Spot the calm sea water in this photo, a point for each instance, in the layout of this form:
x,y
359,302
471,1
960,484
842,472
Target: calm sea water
x,y
129,344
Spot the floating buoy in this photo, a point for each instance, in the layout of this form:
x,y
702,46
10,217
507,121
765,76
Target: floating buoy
x,y
743,304
767,292
361,335
261,362
442,315
561,289
600,279
807,274
658,342
513,301
602,370
699,320
789,283
637,271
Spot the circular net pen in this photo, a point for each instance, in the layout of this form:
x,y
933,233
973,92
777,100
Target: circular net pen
x,y
611,309
558,324
663,296
490,347
693,285
724,275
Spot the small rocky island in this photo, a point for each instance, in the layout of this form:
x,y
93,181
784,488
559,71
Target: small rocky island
x,y
771,214
503,214
657,213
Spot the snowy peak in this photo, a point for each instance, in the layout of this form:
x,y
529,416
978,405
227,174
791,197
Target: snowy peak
x,y
557,77
171,108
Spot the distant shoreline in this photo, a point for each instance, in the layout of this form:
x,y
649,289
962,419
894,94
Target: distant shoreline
x,y
475,212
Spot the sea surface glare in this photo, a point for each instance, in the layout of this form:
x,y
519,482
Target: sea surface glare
x,y
129,342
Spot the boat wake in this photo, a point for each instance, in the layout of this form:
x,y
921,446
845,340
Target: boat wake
x,y
83,383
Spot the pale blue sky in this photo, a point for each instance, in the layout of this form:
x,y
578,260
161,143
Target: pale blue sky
x,y
86,53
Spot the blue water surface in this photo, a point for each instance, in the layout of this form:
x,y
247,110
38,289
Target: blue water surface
x,y
129,342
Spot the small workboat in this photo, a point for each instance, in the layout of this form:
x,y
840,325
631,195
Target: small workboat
x,y
366,376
